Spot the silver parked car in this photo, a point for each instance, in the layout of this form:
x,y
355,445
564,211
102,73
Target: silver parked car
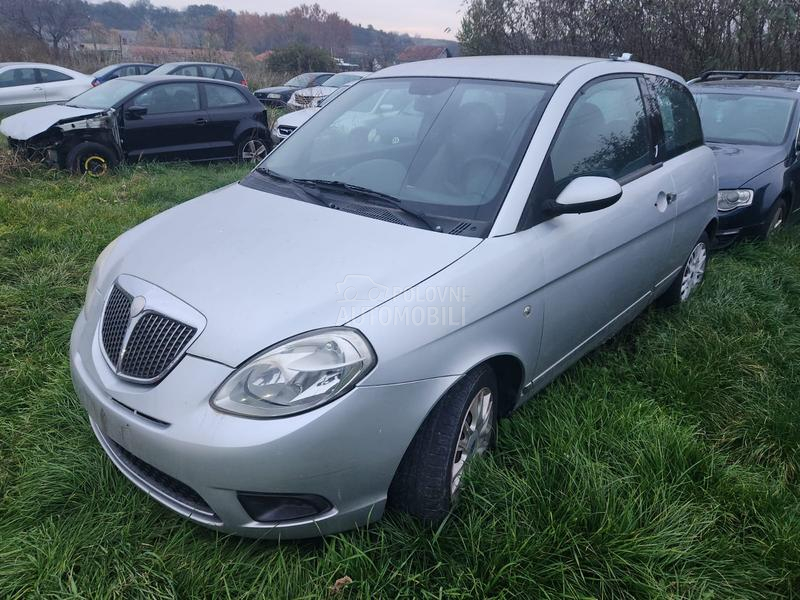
x,y
341,330
27,85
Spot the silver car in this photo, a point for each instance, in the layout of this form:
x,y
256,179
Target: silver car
x,y
340,331
27,85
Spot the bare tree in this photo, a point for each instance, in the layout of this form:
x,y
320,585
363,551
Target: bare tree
x,y
51,21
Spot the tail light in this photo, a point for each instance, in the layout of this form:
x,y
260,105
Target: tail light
x,y
244,82
95,82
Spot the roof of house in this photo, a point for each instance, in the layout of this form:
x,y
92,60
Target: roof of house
x,y
421,52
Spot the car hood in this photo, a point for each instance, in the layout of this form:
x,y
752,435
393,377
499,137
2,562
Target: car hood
x,y
297,117
262,268
279,89
25,125
739,163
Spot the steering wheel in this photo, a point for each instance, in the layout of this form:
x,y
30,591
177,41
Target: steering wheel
x,y
760,134
471,165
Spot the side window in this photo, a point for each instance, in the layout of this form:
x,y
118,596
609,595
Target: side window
x,y
169,98
16,77
129,70
210,71
190,71
605,133
222,96
49,76
681,122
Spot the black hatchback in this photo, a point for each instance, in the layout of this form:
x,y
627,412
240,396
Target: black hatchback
x,y
145,117
751,120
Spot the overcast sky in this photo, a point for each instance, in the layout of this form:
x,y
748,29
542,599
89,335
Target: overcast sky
x,y
428,18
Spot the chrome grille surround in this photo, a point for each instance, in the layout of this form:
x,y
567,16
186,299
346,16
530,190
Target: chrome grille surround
x,y
145,331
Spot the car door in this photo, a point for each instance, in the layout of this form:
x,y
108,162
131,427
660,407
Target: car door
x,y
681,150
600,267
166,121
58,87
20,89
226,108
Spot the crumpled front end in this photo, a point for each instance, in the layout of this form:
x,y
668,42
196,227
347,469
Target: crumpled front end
x,y
26,136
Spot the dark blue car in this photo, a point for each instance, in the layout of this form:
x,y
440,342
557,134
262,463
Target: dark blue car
x,y
750,120
120,70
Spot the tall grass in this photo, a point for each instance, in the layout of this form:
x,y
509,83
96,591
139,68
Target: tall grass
x,y
664,465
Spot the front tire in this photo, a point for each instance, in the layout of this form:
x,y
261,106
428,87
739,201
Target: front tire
x,y
691,276
775,221
90,158
462,425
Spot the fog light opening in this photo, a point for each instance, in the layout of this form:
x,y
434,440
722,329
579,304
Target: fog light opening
x,y
269,508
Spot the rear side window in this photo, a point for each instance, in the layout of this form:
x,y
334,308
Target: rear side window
x,y
127,70
169,98
49,76
222,96
605,133
681,123
15,77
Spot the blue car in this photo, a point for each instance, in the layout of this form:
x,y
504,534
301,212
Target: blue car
x,y
120,70
751,120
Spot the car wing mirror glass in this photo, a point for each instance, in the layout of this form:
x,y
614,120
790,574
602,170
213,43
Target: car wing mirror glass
x,y
586,194
136,112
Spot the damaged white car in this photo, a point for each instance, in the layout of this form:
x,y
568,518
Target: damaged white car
x,y
144,117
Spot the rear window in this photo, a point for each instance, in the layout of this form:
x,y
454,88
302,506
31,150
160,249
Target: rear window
x,y
744,118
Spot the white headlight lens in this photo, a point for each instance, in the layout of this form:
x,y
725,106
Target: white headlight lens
x,y
730,199
297,375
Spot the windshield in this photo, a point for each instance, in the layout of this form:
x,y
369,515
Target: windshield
x,y
447,148
342,79
300,81
106,95
744,119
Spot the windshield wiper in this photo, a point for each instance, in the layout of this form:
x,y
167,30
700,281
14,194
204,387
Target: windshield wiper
x,y
284,179
370,194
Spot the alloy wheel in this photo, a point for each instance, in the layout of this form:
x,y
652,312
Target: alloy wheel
x,y
694,271
475,436
254,151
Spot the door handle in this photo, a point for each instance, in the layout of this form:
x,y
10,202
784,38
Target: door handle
x,y
200,121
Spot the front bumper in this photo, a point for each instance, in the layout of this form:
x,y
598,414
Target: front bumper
x,y
170,443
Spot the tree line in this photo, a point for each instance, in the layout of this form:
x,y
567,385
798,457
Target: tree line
x,y
685,36
59,25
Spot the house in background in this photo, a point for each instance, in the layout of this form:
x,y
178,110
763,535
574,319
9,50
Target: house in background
x,y
415,53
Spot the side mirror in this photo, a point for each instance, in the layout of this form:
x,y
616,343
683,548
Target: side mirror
x,y
135,112
586,194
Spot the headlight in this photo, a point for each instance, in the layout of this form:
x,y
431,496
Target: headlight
x,y
91,288
730,199
297,375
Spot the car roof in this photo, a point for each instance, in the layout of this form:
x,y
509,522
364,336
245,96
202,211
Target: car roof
x,y
761,87
533,69
195,62
176,78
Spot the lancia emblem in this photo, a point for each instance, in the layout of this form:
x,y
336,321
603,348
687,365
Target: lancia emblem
x,y
137,306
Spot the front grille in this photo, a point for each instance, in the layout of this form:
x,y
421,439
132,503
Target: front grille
x,y
115,323
167,485
303,100
153,345
285,129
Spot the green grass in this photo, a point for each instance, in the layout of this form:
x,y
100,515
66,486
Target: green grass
x,y
664,465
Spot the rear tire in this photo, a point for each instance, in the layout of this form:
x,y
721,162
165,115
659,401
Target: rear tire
x,y
462,425
775,221
691,275
90,158
253,150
